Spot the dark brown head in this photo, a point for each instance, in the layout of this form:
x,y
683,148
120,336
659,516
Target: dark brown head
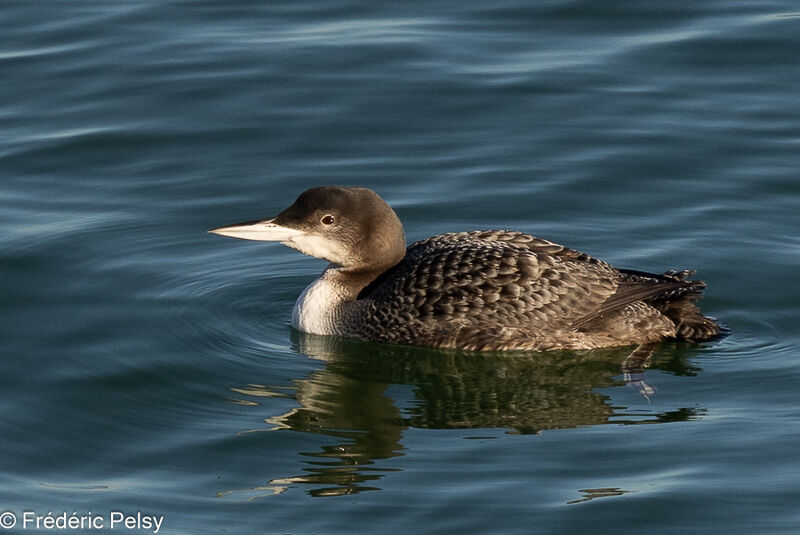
x,y
352,227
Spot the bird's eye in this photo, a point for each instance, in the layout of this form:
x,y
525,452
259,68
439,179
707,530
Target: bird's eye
x,y
328,220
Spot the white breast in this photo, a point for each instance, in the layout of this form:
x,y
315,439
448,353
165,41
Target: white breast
x,y
318,308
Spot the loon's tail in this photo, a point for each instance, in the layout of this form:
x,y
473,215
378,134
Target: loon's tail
x,y
678,303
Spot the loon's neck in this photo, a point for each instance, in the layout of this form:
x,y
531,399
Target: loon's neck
x,y
325,305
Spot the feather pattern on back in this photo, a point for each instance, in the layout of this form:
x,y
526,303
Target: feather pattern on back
x,y
489,290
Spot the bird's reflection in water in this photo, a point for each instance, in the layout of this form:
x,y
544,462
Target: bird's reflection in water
x,y
520,393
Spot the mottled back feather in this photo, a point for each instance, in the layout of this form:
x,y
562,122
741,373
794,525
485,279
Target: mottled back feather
x,y
495,289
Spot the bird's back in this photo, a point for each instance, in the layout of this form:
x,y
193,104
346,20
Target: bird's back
x,y
498,290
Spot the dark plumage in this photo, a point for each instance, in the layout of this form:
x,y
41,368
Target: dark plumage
x,y
493,290
481,290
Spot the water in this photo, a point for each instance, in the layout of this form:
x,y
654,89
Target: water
x,y
149,367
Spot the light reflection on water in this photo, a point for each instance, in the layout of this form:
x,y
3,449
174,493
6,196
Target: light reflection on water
x,y
350,399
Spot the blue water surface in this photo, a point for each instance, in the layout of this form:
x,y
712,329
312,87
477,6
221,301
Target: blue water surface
x,y
148,367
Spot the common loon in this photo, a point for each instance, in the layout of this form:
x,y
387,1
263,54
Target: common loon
x,y
485,290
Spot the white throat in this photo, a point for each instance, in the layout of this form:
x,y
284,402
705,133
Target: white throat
x,y
320,308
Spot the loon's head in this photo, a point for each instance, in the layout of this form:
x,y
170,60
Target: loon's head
x,y
351,227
